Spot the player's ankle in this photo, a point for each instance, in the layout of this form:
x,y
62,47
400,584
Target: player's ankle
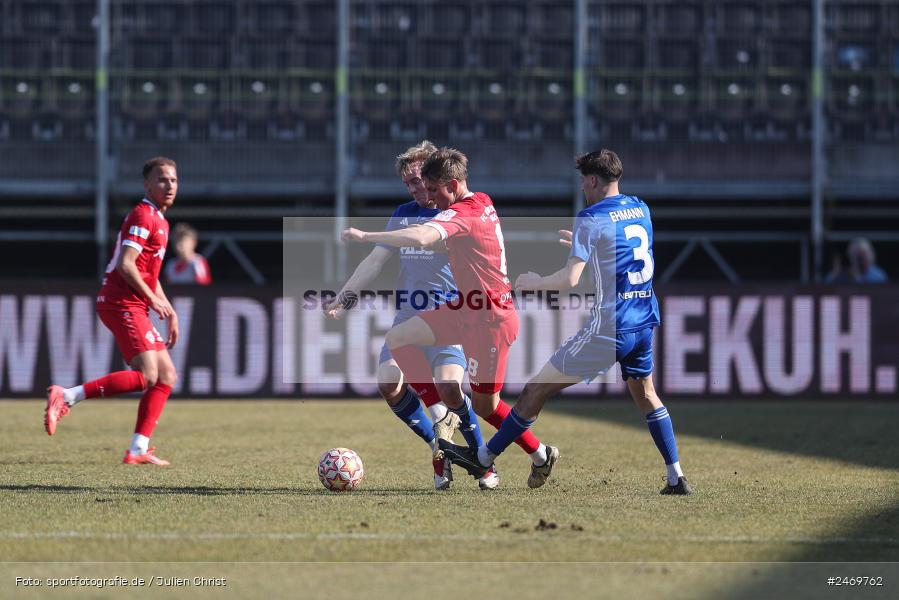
x,y
485,457
538,456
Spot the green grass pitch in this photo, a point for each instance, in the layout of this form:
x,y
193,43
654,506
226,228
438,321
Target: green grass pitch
x,y
781,482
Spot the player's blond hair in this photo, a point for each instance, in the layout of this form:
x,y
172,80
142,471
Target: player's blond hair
x,y
445,164
416,154
158,161
602,163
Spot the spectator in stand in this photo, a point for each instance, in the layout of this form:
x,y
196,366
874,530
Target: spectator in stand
x,y
188,267
862,265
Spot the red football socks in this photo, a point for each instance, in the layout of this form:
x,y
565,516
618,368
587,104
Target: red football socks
x,y
150,407
120,382
527,440
417,372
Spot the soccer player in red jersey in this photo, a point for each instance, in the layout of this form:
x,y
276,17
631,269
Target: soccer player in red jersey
x,y
484,320
130,290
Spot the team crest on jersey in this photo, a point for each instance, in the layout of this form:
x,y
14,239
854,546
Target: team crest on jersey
x,y
446,215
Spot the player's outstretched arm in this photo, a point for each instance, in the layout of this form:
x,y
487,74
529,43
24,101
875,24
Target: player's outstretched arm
x,y
364,274
417,235
565,278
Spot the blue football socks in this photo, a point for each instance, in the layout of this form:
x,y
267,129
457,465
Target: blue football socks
x,y
510,430
411,412
662,432
469,427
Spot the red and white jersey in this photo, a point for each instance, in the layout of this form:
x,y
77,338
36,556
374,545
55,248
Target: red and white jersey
x,y
146,230
193,271
477,256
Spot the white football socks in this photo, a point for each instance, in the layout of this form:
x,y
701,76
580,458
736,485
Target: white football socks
x,y
485,456
73,395
438,411
139,444
674,472
539,455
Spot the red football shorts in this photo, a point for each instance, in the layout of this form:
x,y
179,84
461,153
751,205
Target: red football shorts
x,y
134,332
486,344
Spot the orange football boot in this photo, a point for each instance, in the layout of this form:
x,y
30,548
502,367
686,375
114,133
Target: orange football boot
x,y
56,408
149,458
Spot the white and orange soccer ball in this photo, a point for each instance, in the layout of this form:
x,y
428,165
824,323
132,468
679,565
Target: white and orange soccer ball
x,y
340,470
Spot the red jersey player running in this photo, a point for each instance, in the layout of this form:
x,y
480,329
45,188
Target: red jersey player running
x,y
484,320
130,290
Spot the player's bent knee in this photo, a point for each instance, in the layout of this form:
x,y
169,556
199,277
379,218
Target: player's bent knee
x,y
450,393
390,382
389,377
151,376
168,377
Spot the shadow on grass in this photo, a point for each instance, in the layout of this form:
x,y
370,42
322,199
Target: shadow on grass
x,y
203,490
857,432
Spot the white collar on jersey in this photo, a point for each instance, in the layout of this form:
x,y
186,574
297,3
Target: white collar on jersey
x,y
153,204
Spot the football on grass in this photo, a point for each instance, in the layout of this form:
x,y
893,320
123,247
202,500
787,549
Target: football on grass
x,y
340,470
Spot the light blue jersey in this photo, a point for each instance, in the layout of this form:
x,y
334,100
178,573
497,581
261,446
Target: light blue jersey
x,y
422,272
614,237
424,276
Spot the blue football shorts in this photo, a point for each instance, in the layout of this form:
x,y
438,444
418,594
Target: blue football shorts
x,y
588,354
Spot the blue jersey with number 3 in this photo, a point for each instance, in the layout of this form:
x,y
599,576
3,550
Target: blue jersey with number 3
x,y
614,237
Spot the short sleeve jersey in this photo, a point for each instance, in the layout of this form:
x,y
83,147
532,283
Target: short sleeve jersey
x,y
477,256
614,236
146,230
422,271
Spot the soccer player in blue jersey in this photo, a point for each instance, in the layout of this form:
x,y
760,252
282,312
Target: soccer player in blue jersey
x,y
614,235
421,270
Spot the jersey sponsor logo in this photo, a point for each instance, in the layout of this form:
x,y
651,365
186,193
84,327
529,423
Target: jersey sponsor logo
x,y
446,215
489,215
415,251
139,232
635,294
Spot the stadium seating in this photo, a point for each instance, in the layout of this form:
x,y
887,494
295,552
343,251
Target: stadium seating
x,y
482,71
